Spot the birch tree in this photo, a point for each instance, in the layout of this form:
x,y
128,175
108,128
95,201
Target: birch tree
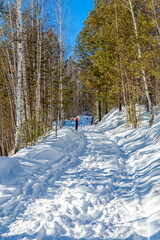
x,y
38,60
142,68
20,114
60,25
29,59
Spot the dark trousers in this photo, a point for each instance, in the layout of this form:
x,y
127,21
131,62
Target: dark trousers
x,y
76,125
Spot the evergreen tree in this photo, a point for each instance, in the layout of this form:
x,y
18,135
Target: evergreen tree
x,y
116,50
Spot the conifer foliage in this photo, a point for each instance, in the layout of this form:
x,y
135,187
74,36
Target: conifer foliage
x,y
118,50
117,64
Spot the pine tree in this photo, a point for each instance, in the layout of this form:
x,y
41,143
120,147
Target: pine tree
x,y
117,50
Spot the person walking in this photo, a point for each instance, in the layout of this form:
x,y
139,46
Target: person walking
x,y
76,126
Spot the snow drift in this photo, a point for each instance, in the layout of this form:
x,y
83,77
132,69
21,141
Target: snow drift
x,y
102,182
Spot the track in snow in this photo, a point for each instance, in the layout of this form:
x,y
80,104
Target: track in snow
x,y
87,195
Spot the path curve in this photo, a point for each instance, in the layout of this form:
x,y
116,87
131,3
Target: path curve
x,y
89,198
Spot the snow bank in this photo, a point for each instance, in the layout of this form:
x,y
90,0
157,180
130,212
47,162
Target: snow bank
x,y
101,182
141,149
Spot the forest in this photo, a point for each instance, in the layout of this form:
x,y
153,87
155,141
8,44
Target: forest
x,y
116,63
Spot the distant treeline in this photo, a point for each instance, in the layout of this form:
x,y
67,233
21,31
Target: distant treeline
x,y
38,84
116,63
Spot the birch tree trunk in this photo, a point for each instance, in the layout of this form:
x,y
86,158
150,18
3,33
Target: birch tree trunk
x,y
142,69
25,86
60,23
61,66
19,86
13,44
39,56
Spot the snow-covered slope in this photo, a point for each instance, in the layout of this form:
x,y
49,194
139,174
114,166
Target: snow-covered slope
x,y
101,182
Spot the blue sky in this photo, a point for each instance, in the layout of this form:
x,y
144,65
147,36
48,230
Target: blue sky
x,y
80,9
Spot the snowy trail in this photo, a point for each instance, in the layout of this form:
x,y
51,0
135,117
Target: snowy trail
x,y
87,201
36,167
100,183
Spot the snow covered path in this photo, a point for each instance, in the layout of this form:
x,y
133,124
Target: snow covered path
x,y
84,202
90,184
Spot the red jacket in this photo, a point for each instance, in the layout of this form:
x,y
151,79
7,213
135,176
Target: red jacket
x,y
76,119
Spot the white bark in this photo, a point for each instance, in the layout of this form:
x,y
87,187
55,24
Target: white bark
x,y
12,34
19,87
60,23
25,86
61,65
39,56
142,69
32,11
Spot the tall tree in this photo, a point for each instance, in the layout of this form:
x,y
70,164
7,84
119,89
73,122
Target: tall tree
x,y
117,49
142,68
59,12
20,114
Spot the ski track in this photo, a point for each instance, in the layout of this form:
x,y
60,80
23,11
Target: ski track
x,y
92,198
35,186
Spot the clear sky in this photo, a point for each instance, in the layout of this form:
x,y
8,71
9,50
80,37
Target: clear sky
x,y
80,10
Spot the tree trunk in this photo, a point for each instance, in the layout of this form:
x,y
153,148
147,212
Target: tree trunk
x,y
60,23
142,69
19,86
100,111
120,60
39,56
25,87
13,45
11,96
9,70
1,134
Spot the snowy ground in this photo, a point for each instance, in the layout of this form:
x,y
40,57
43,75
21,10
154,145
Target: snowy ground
x,y
102,182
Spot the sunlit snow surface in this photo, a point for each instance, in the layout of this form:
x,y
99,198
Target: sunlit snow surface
x,y
100,182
